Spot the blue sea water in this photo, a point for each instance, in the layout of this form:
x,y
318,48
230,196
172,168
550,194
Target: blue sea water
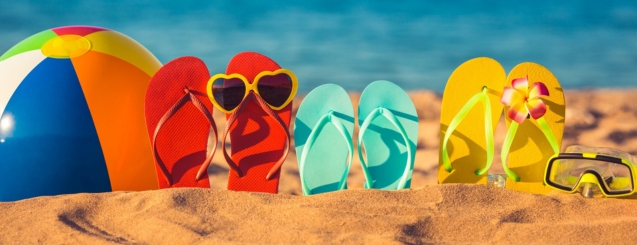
x,y
416,44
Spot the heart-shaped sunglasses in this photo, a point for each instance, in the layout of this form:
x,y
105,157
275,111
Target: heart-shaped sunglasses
x,y
276,88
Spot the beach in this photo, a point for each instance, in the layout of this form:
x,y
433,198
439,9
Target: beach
x,y
427,214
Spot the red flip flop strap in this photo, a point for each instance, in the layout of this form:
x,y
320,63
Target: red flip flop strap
x,y
171,112
204,166
226,131
277,166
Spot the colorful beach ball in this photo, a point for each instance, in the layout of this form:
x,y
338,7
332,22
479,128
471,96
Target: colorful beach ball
x,y
72,114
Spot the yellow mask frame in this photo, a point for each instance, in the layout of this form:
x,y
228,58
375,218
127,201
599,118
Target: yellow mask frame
x,y
591,176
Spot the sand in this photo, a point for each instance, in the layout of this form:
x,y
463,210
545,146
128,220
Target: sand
x,y
427,214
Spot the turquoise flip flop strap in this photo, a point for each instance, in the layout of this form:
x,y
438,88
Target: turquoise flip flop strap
x,y
392,118
329,117
488,130
508,140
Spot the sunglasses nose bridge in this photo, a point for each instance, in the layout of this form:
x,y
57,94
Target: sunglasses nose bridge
x,y
251,87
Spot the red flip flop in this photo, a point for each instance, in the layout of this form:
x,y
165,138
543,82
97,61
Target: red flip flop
x,y
179,120
256,95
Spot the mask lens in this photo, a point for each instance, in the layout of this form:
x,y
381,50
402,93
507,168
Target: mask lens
x,y
275,89
566,173
228,92
562,173
617,177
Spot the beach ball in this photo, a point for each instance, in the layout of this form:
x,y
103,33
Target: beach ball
x,y
72,114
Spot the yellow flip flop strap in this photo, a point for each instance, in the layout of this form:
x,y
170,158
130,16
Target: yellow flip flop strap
x,y
508,140
488,130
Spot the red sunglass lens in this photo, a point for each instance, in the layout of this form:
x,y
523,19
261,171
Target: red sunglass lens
x,y
228,92
275,89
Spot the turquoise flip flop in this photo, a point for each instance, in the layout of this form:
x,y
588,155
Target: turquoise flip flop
x,y
323,137
389,132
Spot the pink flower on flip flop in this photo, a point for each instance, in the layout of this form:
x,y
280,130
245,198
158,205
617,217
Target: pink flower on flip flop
x,y
524,100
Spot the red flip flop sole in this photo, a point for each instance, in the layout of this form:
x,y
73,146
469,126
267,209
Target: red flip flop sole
x,y
182,140
257,140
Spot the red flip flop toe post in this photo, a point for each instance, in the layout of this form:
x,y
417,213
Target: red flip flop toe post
x,y
256,95
179,120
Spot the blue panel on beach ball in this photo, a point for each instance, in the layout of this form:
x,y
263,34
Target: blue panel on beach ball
x,y
50,116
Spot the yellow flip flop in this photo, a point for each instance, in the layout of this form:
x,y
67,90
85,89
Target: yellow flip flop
x,y
470,112
534,111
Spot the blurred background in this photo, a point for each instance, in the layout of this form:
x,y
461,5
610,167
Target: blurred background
x,y
415,44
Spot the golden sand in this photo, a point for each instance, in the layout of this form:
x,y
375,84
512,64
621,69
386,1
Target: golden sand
x,y
428,214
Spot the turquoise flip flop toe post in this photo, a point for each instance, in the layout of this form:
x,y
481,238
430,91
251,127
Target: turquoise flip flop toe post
x,y
388,133
323,137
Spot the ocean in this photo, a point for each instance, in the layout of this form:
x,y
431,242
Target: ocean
x,y
416,44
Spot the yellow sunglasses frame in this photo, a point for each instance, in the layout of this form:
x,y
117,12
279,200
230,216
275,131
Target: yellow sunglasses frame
x,y
253,87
